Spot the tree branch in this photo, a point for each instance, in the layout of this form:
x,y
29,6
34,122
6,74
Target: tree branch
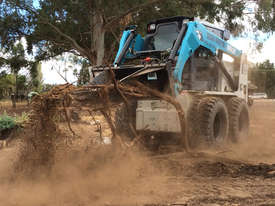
x,y
74,43
118,18
60,74
2,61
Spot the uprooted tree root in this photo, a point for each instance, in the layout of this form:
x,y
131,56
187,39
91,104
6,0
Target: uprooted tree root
x,y
43,132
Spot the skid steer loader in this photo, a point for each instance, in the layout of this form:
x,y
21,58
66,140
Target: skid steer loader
x,y
186,59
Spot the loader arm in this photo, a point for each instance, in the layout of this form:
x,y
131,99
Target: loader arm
x,y
130,42
196,35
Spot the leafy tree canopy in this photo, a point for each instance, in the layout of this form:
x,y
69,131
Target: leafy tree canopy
x,y
265,15
266,66
263,76
91,28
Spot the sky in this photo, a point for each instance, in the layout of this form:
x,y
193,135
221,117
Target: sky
x,y
246,45
52,69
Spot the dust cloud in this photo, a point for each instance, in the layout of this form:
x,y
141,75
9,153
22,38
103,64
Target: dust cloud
x,y
259,147
101,177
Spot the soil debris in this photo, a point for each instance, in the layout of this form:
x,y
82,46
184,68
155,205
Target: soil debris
x,y
85,172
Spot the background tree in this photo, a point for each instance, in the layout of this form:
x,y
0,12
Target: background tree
x,y
6,84
15,61
263,76
36,81
83,76
22,86
90,27
265,15
268,68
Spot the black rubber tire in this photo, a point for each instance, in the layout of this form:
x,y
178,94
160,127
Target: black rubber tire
x,y
192,125
122,119
238,119
101,78
214,120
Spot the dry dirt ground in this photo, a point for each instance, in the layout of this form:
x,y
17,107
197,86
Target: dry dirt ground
x,y
242,174
21,106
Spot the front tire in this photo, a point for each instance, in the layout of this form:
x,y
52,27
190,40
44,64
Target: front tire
x,y
214,120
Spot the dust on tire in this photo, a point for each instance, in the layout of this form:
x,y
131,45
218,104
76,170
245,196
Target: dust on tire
x,y
238,119
214,120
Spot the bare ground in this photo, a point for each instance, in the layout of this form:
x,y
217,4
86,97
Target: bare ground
x,y
6,106
241,174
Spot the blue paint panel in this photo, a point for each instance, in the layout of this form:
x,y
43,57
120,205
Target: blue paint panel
x,y
197,35
138,44
123,40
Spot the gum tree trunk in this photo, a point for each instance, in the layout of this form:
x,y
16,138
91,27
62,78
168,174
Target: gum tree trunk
x,y
98,35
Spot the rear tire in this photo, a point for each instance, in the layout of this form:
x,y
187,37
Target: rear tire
x,y
238,119
214,120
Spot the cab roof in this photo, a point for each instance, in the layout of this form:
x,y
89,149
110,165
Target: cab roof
x,y
178,19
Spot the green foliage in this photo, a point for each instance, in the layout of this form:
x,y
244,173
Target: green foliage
x,y
36,77
15,60
258,78
83,76
270,83
7,122
55,27
266,65
61,26
265,15
7,82
22,83
263,76
269,69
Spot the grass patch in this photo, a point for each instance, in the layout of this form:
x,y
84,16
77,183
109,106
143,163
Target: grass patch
x,y
7,122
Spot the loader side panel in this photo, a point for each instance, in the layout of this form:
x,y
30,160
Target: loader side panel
x,y
196,36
